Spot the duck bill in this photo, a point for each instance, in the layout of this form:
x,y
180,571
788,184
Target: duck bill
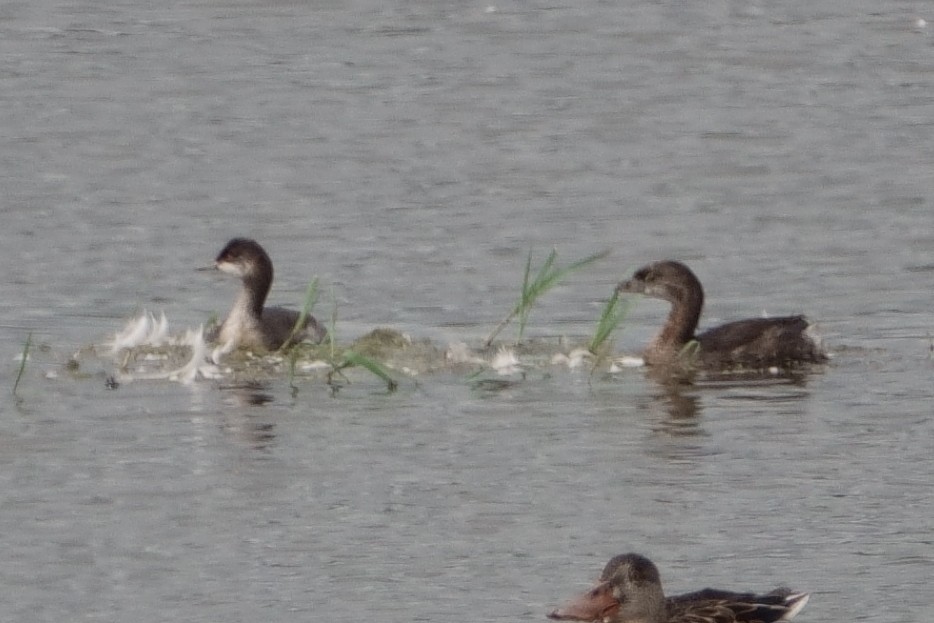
x,y
597,604
631,286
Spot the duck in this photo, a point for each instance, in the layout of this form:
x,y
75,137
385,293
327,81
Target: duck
x,y
630,591
753,343
249,324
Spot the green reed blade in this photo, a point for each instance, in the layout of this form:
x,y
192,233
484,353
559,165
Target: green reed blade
x,y
546,277
353,358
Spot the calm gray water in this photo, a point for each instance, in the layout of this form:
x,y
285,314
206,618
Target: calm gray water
x,y
411,154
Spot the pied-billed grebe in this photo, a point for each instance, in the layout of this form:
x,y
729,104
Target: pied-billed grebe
x,y
756,343
249,324
630,591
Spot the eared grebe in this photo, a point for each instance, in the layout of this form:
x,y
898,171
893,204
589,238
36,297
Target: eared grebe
x,y
630,591
249,324
756,343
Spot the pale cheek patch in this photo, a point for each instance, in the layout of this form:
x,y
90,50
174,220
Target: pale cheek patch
x,y
230,268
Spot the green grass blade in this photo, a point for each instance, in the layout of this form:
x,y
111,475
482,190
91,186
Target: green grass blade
x,y
332,329
545,278
311,297
544,271
353,358
558,274
531,292
690,352
523,306
525,278
613,313
505,321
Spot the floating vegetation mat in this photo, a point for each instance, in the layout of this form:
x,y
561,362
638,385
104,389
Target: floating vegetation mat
x,y
146,350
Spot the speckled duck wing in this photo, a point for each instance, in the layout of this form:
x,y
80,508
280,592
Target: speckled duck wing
x,y
758,342
718,606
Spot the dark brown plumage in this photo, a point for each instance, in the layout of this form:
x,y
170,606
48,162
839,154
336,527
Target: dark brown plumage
x,y
755,343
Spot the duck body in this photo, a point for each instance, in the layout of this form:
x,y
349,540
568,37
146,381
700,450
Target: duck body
x,y
249,324
754,343
630,591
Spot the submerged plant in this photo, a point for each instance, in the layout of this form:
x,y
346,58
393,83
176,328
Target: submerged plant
x,y
293,361
532,288
22,362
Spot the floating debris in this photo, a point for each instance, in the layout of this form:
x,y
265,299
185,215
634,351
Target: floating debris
x,y
574,359
626,361
505,362
145,342
144,330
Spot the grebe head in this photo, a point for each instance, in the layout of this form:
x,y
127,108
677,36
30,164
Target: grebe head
x,y
667,280
244,258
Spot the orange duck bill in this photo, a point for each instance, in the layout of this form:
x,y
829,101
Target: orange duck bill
x,y
597,604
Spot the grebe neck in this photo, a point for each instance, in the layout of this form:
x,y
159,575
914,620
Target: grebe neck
x,y
256,284
683,318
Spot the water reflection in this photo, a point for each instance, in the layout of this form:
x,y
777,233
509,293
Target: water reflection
x,y
679,376
682,411
249,393
677,431
795,378
257,433
679,397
